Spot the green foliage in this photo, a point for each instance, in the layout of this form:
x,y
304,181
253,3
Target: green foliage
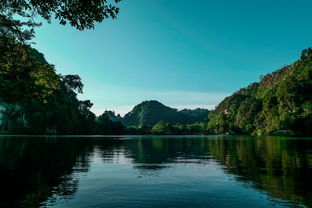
x,y
149,113
162,128
279,103
17,16
196,115
62,113
35,100
24,74
107,126
112,116
138,130
11,119
189,129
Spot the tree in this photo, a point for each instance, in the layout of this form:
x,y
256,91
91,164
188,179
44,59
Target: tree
x,y
73,83
32,96
107,126
162,128
17,16
112,116
24,74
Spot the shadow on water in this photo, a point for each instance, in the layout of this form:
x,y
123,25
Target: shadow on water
x,y
33,169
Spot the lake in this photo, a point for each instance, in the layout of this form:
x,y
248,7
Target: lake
x,y
155,171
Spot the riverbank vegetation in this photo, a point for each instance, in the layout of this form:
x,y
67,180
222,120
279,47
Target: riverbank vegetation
x,y
34,99
281,103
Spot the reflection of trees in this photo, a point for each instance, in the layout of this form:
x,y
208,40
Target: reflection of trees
x,y
32,169
282,167
159,150
152,154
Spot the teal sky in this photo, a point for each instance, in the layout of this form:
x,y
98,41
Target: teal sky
x,y
183,53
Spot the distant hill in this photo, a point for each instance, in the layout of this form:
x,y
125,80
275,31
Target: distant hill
x,y
149,113
281,103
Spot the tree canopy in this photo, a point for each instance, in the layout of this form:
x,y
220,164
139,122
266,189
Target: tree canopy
x,y
281,103
17,17
24,73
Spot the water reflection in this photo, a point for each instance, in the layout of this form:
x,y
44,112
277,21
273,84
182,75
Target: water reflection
x,y
32,170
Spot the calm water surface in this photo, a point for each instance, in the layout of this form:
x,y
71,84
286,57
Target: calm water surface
x,y
132,171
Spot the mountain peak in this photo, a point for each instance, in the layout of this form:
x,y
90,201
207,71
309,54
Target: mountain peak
x,y
150,112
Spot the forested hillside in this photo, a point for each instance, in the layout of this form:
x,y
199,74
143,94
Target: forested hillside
x,y
149,113
281,103
36,100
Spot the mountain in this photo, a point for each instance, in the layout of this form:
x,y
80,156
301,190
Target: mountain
x,y
149,113
281,103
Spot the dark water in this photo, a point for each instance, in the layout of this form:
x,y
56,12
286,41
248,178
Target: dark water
x,y
155,172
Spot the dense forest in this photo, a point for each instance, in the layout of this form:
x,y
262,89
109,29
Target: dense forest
x,y
281,103
34,99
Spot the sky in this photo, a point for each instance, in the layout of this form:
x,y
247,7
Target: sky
x,y
185,54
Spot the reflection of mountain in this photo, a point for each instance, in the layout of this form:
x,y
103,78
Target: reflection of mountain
x,y
32,169
160,150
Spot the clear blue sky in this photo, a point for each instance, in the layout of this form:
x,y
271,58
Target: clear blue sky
x,y
183,53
